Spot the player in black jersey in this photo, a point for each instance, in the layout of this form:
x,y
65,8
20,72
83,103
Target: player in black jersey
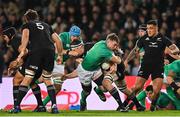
x,y
13,41
41,38
152,64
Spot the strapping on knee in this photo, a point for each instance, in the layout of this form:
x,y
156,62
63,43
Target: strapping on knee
x,y
29,73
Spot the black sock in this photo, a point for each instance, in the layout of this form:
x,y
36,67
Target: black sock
x,y
37,94
115,94
126,101
15,93
136,102
51,93
22,92
155,100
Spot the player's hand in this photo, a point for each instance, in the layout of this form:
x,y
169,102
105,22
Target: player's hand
x,y
178,91
73,53
166,61
79,60
113,69
13,66
59,60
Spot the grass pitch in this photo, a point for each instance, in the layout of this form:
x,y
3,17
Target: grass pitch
x,y
91,113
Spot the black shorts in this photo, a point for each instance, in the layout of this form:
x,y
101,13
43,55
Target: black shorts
x,y
37,74
43,59
155,70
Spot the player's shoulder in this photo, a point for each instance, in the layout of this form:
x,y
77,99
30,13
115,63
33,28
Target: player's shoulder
x,y
161,36
64,35
145,37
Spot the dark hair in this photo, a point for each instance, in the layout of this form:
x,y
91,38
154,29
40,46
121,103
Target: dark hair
x,y
153,22
31,15
113,37
149,88
142,27
10,32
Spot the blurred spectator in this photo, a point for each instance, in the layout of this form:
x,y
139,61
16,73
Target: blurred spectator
x,y
97,18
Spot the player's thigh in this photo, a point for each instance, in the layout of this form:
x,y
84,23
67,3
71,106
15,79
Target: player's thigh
x,y
18,78
47,63
85,77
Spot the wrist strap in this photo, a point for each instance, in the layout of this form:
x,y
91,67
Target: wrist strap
x,y
173,85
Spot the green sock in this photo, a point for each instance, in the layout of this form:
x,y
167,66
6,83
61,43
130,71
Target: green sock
x,y
46,100
98,90
84,95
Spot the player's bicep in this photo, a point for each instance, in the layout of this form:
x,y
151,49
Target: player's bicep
x,y
58,42
115,59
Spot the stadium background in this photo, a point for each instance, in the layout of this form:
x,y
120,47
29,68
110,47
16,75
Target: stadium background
x,y
97,18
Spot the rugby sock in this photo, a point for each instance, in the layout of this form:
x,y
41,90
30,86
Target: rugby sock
x,y
51,93
37,94
134,99
22,92
154,102
115,94
136,102
126,101
84,95
15,93
46,100
98,90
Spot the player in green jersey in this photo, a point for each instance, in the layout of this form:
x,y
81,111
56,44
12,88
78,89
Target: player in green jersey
x,y
90,67
163,101
172,79
73,48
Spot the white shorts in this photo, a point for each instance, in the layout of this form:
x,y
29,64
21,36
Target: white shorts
x,y
58,68
85,76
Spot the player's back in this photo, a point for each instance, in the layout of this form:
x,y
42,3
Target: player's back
x,y
39,35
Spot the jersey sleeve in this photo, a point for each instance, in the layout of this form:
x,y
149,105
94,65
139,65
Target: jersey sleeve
x,y
51,30
139,43
26,26
107,55
167,41
141,97
62,36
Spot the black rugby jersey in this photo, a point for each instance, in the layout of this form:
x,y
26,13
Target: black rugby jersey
x,y
39,35
14,44
154,48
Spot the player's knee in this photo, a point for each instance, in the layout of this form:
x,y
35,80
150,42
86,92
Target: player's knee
x,y
106,82
103,89
46,75
121,85
29,73
33,85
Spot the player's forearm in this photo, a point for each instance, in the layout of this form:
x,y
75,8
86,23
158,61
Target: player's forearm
x,y
58,43
131,55
25,40
174,49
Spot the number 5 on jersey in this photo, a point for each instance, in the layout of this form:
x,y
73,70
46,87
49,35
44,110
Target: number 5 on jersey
x,y
40,26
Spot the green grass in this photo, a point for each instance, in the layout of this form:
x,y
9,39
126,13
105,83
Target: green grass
x,y
96,113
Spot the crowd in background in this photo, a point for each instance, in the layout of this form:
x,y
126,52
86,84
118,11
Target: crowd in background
x,y
97,18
